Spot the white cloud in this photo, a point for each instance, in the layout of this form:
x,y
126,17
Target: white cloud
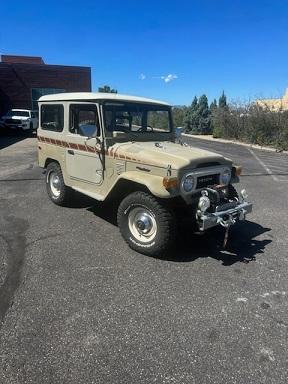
x,y
142,76
169,78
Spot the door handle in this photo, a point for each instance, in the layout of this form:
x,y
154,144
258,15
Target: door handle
x,y
71,152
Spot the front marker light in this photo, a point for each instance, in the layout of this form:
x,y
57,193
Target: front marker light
x,y
170,182
238,170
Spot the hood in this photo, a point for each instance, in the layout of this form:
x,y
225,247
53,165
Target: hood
x,y
162,154
15,117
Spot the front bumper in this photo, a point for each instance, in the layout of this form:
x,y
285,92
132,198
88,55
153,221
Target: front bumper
x,y
225,218
16,126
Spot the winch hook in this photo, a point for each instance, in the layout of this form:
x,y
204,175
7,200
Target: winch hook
x,y
226,224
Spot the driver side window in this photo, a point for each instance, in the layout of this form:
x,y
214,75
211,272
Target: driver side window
x,y
84,120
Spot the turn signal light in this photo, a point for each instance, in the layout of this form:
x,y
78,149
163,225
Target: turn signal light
x,y
170,182
238,170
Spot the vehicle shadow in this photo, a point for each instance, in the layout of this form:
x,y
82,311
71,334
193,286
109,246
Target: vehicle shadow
x,y
106,210
8,138
242,245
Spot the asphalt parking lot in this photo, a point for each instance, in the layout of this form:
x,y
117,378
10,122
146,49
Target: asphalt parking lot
x,y
78,306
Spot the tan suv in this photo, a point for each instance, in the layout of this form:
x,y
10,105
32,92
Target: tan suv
x,y
111,146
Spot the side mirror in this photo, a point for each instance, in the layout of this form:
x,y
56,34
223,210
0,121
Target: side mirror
x,y
94,142
119,135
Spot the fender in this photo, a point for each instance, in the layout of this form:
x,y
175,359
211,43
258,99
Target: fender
x,y
152,182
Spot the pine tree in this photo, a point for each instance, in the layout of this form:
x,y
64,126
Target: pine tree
x,y
190,116
213,106
107,89
213,114
204,115
194,104
194,115
222,101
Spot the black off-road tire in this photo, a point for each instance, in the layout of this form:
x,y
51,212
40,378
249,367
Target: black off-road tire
x,y
165,223
65,194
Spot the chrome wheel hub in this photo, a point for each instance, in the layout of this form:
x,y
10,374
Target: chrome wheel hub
x,y
142,224
54,183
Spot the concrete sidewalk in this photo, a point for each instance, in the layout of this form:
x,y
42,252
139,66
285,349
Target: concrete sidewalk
x,y
211,138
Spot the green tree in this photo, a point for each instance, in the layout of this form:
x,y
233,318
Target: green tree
x,y
204,115
198,116
191,117
221,118
179,114
107,89
222,101
213,112
213,106
194,104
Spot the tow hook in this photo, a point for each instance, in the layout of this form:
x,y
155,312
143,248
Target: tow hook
x,y
226,222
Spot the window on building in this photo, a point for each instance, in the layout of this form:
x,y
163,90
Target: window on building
x,y
84,120
52,117
36,93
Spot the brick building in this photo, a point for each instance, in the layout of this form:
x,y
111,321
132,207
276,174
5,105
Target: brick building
x,y
23,79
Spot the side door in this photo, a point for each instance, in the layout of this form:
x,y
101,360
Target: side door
x,y
84,158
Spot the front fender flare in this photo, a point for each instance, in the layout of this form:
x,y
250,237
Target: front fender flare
x,y
152,182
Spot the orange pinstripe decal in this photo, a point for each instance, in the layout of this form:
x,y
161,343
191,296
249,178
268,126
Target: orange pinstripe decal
x,y
85,148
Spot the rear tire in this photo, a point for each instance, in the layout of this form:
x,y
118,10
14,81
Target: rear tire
x,y
145,224
58,192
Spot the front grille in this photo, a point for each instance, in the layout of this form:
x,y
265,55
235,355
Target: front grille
x,y
13,121
207,180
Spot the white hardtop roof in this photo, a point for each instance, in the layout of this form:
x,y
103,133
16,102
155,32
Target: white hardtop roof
x,y
89,96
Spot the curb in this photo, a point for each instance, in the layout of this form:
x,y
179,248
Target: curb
x,y
254,146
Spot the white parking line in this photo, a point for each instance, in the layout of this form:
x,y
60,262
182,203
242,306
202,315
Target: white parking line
x,y
275,163
263,165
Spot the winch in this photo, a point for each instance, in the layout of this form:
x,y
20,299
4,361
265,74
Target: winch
x,y
220,206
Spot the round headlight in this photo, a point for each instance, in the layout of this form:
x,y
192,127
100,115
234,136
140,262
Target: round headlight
x,y
226,176
188,183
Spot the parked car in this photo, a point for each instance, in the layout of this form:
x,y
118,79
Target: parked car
x,y
122,148
21,119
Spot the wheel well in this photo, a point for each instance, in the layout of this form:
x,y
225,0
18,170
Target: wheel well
x,y
49,160
124,187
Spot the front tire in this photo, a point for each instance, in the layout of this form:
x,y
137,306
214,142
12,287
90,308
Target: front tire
x,y
145,224
58,192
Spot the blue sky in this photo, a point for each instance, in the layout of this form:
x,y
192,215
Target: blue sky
x,y
205,46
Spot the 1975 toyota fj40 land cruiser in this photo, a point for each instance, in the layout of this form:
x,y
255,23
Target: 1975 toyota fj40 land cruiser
x,y
122,147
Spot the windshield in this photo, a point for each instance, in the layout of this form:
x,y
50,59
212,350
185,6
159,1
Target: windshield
x,y
18,113
137,118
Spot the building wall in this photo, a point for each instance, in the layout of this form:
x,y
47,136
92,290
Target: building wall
x,y
17,80
275,104
21,59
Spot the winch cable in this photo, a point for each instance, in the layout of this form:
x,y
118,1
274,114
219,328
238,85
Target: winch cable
x,y
226,237
226,224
